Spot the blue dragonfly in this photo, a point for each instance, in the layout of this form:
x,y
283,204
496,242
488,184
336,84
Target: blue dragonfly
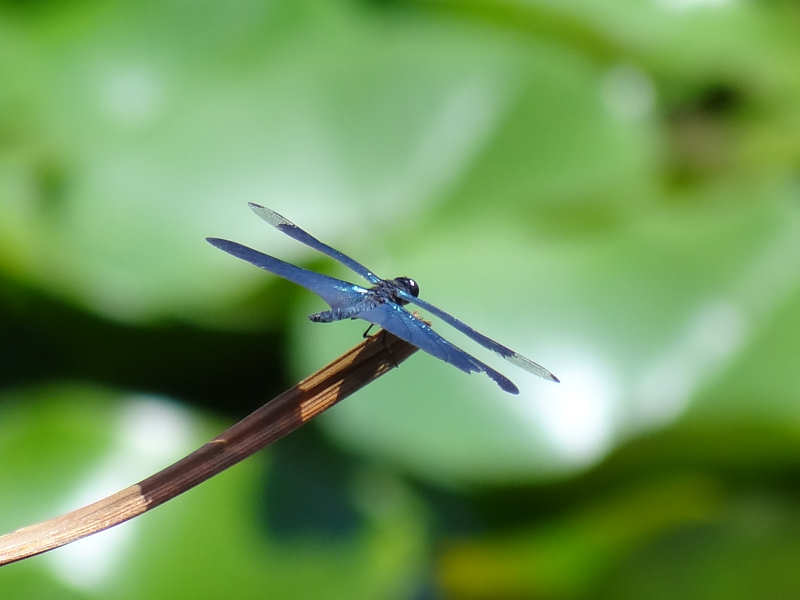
x,y
381,304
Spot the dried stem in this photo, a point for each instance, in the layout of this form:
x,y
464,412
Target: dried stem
x,y
278,417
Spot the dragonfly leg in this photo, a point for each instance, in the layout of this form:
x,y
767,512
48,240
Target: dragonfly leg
x,y
366,332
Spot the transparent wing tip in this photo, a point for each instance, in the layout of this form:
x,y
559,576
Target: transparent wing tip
x,y
270,216
532,367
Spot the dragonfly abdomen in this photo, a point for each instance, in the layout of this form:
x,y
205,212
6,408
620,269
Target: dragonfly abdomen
x,y
345,312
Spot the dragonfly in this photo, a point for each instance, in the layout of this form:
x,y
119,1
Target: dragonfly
x,y
382,303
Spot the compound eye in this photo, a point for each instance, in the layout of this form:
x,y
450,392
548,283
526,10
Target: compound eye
x,y
409,284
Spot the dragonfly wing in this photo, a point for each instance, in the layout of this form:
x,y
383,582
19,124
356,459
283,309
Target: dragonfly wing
x,y
510,355
293,231
335,292
400,322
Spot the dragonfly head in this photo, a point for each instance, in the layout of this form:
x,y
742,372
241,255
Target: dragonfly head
x,y
408,284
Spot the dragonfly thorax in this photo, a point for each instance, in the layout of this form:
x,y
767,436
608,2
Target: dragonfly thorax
x,y
388,288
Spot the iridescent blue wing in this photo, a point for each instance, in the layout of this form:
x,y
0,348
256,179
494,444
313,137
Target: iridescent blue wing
x,y
293,231
400,322
510,355
335,292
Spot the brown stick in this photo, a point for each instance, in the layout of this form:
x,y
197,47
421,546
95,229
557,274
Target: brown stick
x,y
279,417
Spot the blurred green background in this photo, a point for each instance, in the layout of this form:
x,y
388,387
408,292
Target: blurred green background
x,y
613,188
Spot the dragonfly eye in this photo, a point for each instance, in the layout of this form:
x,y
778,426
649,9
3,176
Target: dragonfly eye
x,y
409,284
